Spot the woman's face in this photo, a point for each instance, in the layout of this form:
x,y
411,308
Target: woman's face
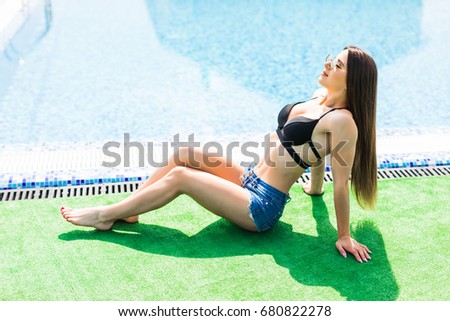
x,y
334,76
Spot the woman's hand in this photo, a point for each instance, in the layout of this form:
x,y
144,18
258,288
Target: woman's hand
x,y
347,244
310,191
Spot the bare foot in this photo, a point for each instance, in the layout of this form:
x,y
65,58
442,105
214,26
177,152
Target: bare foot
x,y
87,217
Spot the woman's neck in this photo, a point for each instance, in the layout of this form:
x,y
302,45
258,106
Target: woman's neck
x,y
335,99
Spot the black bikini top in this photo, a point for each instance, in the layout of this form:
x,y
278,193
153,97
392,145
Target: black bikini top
x,y
297,131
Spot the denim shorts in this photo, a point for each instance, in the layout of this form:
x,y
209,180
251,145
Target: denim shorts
x,y
266,202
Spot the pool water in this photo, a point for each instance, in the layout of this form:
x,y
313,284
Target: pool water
x,y
215,68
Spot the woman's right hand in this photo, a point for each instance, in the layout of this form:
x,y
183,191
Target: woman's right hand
x,y
311,191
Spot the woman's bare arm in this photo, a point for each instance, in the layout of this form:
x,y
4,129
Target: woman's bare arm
x,y
315,184
343,145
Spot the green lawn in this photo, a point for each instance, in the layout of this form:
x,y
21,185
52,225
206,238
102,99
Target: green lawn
x,y
183,252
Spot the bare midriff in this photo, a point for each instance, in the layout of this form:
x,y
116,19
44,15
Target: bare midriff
x,y
277,168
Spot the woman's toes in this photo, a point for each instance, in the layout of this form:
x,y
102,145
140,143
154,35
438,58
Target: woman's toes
x,y
65,211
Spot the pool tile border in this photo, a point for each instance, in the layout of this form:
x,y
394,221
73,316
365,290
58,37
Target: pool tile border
x,y
84,177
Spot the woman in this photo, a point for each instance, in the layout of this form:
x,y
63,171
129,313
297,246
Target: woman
x,y
338,121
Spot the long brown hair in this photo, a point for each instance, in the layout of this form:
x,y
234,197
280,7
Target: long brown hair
x,y
362,102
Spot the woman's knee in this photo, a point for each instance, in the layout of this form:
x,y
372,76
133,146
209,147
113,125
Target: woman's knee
x,y
183,179
177,176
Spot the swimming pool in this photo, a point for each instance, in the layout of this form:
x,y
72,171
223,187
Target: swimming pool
x,y
157,68
105,69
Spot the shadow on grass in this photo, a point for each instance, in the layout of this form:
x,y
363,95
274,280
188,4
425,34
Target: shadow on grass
x,y
309,259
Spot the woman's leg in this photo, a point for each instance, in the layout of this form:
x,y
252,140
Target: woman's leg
x,y
216,194
197,159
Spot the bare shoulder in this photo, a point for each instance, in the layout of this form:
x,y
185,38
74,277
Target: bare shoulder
x,y
341,123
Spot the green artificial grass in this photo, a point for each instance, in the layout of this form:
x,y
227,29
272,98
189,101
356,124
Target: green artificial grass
x,y
183,252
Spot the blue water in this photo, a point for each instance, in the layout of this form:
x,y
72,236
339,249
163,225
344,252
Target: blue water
x,y
215,68
278,47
